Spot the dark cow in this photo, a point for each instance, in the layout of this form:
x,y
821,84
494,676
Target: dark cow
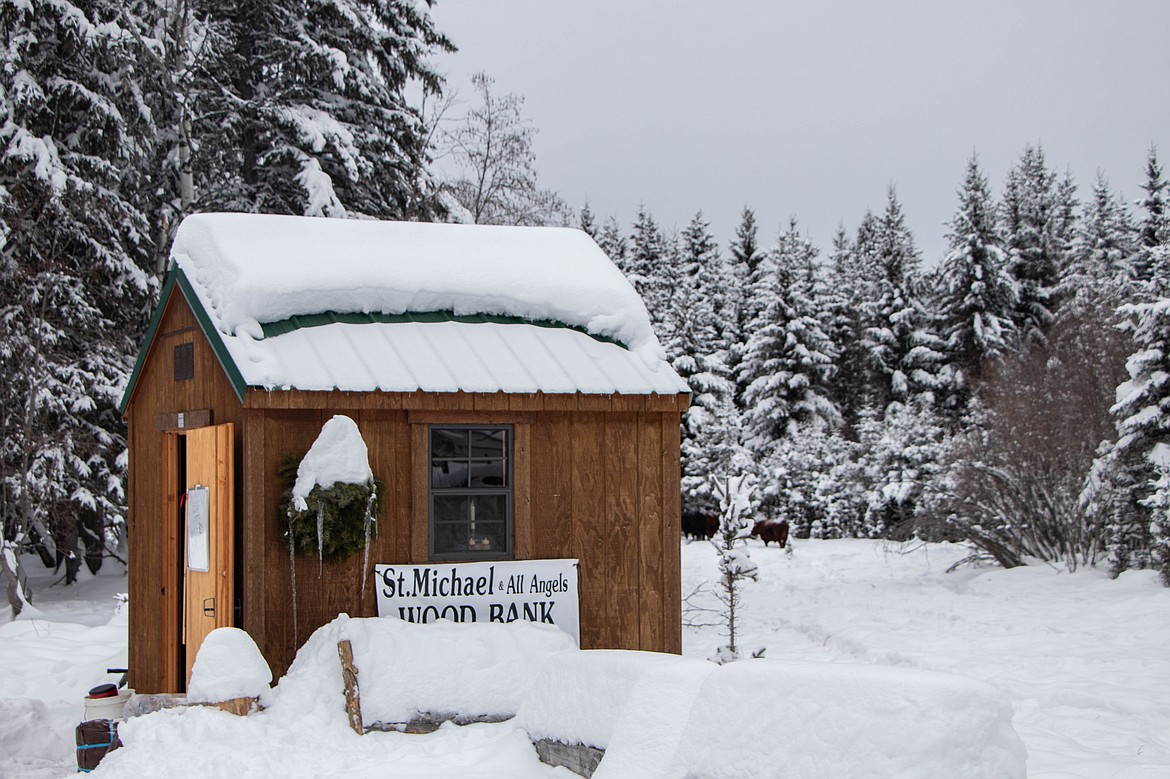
x,y
771,530
699,524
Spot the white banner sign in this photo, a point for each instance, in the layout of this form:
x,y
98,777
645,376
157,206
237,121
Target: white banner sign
x,y
535,590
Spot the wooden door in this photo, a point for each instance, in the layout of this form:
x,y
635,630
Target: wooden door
x,y
208,595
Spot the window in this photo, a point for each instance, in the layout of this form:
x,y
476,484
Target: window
x,y
470,492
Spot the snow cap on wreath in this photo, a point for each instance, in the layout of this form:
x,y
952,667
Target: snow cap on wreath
x,y
338,455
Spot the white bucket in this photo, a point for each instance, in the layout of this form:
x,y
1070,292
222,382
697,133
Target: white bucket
x,y
107,708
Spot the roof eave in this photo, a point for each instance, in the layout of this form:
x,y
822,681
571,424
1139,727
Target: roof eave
x,y
176,278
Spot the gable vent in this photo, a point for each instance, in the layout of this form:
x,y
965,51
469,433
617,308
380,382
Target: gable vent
x,y
184,362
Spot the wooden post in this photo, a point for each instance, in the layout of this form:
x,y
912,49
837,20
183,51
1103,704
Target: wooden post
x,y
349,672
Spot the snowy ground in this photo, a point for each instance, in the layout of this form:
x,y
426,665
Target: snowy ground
x,y
1084,660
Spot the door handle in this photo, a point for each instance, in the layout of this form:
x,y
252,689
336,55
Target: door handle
x,y
209,610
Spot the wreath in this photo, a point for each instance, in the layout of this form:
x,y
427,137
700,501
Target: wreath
x,y
338,520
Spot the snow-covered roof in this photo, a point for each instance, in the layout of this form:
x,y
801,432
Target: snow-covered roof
x,y
349,287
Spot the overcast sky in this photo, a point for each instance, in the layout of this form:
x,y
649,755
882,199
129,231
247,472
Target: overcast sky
x,y
810,109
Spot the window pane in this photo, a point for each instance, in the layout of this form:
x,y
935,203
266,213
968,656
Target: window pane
x,y
488,473
446,474
488,508
451,508
488,443
448,442
488,537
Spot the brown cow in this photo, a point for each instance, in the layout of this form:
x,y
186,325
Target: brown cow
x,y
771,530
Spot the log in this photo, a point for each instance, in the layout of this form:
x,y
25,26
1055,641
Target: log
x,y
241,707
349,673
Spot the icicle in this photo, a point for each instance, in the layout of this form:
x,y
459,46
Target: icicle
x,y
292,567
320,539
369,521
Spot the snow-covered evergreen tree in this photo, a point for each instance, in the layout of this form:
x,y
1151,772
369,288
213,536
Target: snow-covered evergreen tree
x,y
614,244
1154,228
586,223
301,108
900,460
734,497
977,293
1033,219
903,354
697,348
844,324
1143,434
746,257
650,268
788,358
74,248
1104,258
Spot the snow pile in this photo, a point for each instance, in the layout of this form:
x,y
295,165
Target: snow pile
x,y
27,732
447,668
338,455
229,665
647,735
666,717
249,269
577,698
774,720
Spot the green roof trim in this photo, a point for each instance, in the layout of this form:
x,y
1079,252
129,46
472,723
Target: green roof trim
x,y
176,277
272,329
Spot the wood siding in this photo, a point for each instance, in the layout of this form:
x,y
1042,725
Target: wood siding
x,y
596,478
600,487
154,516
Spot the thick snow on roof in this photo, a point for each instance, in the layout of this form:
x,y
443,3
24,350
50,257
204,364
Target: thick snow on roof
x,y
249,270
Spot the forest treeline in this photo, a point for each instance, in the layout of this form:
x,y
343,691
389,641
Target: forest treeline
x,y
1015,396
867,397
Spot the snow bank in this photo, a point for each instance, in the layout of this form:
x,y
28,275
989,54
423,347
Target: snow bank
x,y
578,698
447,668
339,454
774,720
229,665
28,732
249,269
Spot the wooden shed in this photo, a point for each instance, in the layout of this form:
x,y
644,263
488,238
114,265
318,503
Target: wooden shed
x,y
268,326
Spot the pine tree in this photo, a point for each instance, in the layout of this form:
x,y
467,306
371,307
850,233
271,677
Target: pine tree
x,y
746,257
1103,264
903,354
650,269
1142,413
788,358
300,108
614,244
697,348
977,292
845,327
1034,216
1154,229
586,223
74,292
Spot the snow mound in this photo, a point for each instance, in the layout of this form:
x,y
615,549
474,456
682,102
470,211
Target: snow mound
x,y
249,269
338,455
229,665
771,720
578,698
447,668
28,732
